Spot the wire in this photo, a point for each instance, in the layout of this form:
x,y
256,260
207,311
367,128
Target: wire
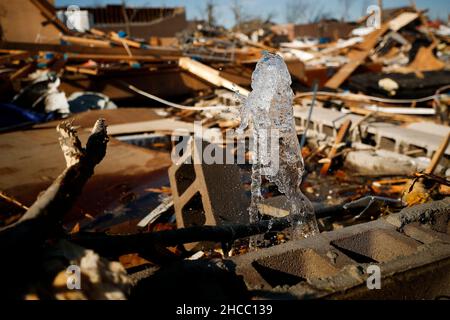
x,y
315,88
303,94
175,105
359,96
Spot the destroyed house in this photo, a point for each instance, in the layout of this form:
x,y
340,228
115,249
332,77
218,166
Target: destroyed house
x,y
140,22
331,29
327,29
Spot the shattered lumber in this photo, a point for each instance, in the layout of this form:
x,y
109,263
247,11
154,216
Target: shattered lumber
x,y
438,155
48,11
343,131
210,75
43,217
86,41
358,56
12,55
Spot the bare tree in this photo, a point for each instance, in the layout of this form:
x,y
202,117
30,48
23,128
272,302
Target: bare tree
x,y
346,5
238,13
306,11
364,7
270,16
210,12
297,10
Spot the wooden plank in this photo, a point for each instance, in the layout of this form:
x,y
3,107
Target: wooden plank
x,y
82,70
165,125
117,39
402,20
37,47
86,41
13,55
22,71
438,155
210,75
112,116
342,133
425,60
97,32
116,57
357,57
49,12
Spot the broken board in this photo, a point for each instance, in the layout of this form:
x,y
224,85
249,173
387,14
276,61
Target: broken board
x,y
210,75
164,125
357,56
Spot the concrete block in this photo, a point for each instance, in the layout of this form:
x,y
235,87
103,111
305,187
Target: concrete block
x,y
333,265
387,136
379,163
207,194
423,234
435,214
377,245
292,263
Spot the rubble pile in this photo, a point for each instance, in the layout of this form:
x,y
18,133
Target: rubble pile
x,y
166,179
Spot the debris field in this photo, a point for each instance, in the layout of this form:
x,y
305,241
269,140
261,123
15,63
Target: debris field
x,y
163,158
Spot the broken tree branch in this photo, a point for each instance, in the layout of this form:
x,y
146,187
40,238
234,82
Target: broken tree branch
x,y
143,243
116,245
44,216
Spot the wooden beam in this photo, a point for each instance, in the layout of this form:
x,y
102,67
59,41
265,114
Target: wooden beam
x,y
117,39
115,57
48,11
342,133
13,55
438,155
357,56
161,125
210,75
86,41
22,71
81,70
402,20
37,47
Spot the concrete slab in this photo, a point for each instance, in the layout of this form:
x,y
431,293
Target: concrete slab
x,y
32,159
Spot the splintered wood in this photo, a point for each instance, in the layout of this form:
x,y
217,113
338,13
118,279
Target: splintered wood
x,y
210,75
342,134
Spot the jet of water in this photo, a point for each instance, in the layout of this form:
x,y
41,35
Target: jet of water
x,y
268,109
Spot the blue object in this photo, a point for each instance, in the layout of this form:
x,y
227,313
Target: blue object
x,y
136,65
49,55
13,115
324,40
122,34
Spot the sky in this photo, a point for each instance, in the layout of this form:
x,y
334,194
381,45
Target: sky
x,y
262,8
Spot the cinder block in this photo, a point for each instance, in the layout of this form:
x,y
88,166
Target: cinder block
x,y
207,194
424,234
292,267
387,136
435,214
291,264
414,264
377,245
